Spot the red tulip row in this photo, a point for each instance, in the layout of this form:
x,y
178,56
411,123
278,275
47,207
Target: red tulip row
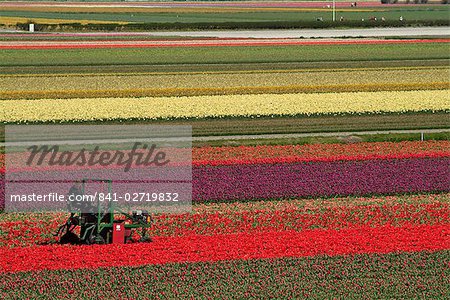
x,y
309,153
204,43
19,230
300,220
195,4
196,248
300,159
313,152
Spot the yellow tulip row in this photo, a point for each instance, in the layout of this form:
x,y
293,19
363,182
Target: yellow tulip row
x,y
15,20
57,110
179,92
91,85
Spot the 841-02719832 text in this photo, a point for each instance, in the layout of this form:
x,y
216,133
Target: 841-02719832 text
x,y
102,197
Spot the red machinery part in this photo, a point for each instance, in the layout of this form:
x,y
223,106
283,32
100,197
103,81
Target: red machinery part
x,y
118,236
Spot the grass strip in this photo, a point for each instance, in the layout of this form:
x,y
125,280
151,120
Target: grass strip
x,y
281,125
223,55
217,67
356,138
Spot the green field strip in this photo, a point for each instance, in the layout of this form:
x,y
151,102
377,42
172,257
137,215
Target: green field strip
x,y
287,125
223,55
230,67
408,13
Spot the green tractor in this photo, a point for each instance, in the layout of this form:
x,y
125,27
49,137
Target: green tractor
x,y
104,223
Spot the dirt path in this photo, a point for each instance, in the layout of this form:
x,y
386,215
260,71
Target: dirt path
x,y
317,33
224,137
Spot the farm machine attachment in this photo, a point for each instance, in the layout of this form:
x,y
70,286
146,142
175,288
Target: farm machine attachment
x,y
104,223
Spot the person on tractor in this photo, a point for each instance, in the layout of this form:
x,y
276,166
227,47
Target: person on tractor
x,y
80,211
74,192
77,203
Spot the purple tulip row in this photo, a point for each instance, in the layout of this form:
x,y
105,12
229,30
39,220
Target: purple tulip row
x,y
320,179
271,181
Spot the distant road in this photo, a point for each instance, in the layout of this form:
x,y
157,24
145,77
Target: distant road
x,y
3,30
318,33
221,137
272,34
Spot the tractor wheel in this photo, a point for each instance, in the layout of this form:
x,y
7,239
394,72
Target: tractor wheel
x,y
69,238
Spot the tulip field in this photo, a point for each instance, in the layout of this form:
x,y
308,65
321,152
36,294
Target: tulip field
x,y
339,218
357,235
